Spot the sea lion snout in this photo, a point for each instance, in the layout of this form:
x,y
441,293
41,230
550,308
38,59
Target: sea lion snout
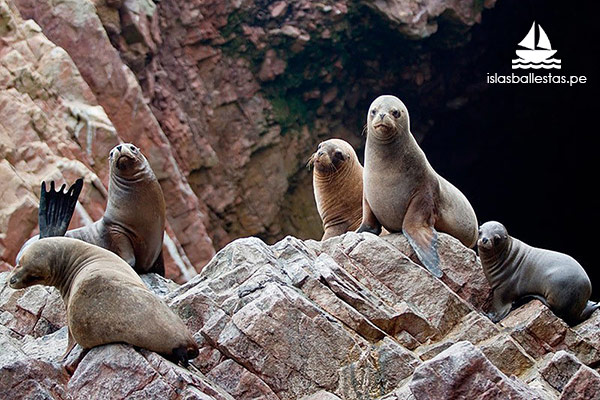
x,y
124,156
329,156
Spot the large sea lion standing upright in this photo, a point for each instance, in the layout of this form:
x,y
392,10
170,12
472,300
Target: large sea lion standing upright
x,y
403,193
337,186
134,221
106,300
516,270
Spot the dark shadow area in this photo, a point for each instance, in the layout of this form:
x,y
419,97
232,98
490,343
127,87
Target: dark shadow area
x,y
524,154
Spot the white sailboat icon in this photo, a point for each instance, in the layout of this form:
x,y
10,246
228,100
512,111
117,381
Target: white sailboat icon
x,y
536,56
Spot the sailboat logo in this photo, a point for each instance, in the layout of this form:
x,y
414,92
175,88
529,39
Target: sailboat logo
x,y
535,56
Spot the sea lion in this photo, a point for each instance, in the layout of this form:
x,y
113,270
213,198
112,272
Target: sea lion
x,y
106,300
402,192
134,221
516,270
337,186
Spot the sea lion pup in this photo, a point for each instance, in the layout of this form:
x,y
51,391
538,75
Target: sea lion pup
x,y
134,221
337,186
106,300
516,270
403,193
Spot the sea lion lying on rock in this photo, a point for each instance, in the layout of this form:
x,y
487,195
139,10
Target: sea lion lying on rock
x,y
516,271
337,186
106,300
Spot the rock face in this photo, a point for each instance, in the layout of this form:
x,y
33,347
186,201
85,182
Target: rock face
x,y
226,99
349,318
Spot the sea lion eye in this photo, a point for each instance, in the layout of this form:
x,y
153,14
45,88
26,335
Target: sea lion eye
x,y
373,111
395,113
319,146
112,153
133,148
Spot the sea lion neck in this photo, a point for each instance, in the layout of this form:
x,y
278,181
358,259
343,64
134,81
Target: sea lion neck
x,y
65,264
402,147
495,261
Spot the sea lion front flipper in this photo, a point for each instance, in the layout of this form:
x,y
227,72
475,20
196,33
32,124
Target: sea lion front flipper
x,y
422,236
159,265
56,208
369,220
123,248
70,344
499,309
589,310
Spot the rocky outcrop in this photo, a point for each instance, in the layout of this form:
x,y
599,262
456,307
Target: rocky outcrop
x,y
349,318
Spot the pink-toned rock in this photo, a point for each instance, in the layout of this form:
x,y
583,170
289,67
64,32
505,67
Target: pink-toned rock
x,y
278,8
507,355
119,372
463,371
271,67
418,19
539,331
584,385
29,379
461,266
560,369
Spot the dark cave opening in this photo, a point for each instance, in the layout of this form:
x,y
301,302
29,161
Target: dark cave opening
x,y
524,154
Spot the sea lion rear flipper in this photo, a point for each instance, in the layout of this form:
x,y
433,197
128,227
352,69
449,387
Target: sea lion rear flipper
x,y
369,220
424,242
159,265
56,208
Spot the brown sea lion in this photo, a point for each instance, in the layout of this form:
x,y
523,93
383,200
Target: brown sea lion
x,y
401,190
337,186
106,300
516,270
134,221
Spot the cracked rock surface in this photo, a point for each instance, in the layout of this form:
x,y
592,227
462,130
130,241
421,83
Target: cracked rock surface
x,y
351,318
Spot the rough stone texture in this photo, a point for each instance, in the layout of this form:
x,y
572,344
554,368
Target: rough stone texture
x,y
539,331
119,372
462,371
585,384
560,369
349,318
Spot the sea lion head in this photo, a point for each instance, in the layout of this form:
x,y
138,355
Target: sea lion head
x,y
126,160
331,156
34,266
387,118
492,236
